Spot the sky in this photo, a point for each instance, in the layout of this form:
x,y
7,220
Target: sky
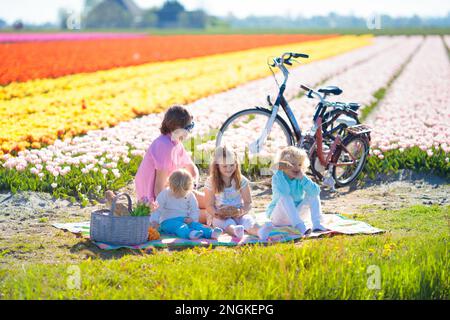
x,y
39,11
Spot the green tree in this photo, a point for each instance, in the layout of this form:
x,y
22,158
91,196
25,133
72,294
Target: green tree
x,y
169,14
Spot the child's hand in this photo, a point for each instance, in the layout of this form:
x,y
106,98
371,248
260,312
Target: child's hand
x,y
284,165
242,212
188,220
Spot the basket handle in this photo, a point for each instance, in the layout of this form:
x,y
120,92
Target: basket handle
x,y
114,201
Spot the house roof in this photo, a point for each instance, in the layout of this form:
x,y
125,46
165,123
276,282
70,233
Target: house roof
x,y
131,6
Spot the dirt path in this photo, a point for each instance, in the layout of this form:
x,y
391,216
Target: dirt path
x,y
26,234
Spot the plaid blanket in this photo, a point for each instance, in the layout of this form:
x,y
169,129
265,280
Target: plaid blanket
x,y
337,224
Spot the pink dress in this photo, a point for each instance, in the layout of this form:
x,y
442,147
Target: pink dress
x,y
163,154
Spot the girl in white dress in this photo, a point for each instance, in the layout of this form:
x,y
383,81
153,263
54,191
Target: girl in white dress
x,y
228,198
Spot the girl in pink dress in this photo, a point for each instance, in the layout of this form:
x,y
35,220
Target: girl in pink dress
x,y
165,155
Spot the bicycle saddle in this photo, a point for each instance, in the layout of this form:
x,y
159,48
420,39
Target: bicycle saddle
x,y
331,90
354,106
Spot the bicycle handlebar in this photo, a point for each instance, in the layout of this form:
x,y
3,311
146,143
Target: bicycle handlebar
x,y
286,58
311,92
305,87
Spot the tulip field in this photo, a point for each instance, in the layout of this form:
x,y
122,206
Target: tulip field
x,y
78,113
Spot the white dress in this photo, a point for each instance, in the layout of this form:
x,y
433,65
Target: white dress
x,y
230,196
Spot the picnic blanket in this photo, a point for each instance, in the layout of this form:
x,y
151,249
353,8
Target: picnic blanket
x,y
337,224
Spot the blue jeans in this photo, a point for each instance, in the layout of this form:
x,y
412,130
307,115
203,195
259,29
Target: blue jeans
x,y
181,229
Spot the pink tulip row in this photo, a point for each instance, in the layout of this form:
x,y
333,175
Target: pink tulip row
x,y
416,109
63,36
101,150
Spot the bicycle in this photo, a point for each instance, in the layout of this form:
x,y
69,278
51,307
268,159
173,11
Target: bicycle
x,y
337,152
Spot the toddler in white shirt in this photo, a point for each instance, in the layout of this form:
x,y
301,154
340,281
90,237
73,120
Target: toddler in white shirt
x,y
178,210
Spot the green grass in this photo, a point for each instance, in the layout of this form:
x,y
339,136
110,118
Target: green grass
x,y
413,159
412,257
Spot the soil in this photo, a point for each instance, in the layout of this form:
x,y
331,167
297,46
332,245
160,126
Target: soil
x,y
26,234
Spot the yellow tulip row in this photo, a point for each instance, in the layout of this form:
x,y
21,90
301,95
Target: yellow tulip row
x,y
39,111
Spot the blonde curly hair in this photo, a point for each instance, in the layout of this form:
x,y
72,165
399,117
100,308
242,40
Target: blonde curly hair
x,y
285,158
181,182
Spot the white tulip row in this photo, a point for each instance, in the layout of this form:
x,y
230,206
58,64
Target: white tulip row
x,y
361,82
416,109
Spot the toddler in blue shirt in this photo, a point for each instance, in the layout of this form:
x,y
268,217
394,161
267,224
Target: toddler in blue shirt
x,y
293,193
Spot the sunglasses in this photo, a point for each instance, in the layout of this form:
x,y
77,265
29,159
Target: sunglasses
x,y
190,127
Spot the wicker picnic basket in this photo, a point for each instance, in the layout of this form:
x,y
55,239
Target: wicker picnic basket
x,y
123,230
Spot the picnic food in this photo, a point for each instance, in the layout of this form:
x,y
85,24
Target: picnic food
x,y
153,234
228,212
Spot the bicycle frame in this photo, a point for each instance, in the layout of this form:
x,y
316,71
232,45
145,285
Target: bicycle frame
x,y
325,161
257,145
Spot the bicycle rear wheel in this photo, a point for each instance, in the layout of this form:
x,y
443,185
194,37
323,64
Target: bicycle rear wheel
x,y
356,147
244,128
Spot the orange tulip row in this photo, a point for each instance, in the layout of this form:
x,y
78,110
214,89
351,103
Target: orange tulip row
x,y
37,60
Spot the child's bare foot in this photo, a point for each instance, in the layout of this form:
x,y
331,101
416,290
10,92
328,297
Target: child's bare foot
x,y
302,228
238,231
264,231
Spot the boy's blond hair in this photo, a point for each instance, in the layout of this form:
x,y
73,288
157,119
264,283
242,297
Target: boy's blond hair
x,y
287,155
181,182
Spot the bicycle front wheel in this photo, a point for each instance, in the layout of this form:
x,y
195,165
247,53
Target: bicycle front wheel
x,y
245,127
